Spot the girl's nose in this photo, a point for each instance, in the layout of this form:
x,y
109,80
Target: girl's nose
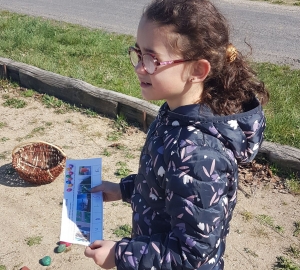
x,y
139,68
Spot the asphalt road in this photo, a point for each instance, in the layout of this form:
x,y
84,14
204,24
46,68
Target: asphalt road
x,y
272,30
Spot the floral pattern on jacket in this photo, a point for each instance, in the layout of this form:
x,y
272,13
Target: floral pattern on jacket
x,y
185,190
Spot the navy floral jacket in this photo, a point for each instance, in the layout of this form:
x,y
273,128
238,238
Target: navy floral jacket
x,y
185,190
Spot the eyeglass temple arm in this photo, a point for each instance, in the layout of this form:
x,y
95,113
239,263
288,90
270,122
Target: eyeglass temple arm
x,y
171,62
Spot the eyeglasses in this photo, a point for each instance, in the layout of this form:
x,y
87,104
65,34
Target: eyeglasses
x,y
149,61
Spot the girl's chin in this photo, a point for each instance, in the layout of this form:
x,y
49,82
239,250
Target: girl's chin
x,y
146,94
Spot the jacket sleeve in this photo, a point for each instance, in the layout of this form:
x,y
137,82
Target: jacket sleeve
x,y
127,186
200,195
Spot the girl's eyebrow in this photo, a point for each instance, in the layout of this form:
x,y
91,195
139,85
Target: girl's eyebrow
x,y
145,49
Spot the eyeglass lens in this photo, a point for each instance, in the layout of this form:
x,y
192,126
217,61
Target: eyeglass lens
x,y
147,61
134,58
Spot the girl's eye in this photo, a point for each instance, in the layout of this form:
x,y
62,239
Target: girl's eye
x,y
139,57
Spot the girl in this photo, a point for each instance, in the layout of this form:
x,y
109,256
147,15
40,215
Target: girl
x,y
185,190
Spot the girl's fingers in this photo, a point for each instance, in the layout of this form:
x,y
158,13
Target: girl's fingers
x,y
88,252
101,187
96,189
95,244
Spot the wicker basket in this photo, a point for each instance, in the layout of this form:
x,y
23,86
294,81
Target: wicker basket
x,y
38,162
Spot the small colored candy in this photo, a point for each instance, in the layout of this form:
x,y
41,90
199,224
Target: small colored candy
x,y
65,243
46,261
61,248
24,268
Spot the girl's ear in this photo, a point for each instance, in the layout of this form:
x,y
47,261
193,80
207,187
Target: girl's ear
x,y
199,71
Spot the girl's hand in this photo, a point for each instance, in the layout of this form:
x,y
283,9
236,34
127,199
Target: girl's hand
x,y
102,252
111,191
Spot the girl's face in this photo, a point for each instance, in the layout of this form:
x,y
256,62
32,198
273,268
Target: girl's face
x,y
171,82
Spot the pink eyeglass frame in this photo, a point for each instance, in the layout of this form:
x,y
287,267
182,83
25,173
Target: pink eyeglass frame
x,y
155,60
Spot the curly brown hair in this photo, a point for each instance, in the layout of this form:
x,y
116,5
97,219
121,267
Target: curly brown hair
x,y
199,31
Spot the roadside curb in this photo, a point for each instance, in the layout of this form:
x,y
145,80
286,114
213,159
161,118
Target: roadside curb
x,y
111,103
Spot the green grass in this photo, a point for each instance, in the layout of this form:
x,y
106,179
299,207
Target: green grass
x,y
293,185
292,178
28,93
297,228
15,103
121,123
94,56
122,170
283,110
294,251
250,252
268,221
101,59
2,125
106,153
114,136
286,264
123,231
34,240
247,216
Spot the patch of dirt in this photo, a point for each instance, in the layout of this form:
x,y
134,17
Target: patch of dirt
x,y
262,227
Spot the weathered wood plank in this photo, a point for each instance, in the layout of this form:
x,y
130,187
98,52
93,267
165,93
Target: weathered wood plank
x,y
11,72
3,71
64,88
283,155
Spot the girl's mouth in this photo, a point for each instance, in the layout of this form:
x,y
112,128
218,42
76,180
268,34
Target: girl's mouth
x,y
145,84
